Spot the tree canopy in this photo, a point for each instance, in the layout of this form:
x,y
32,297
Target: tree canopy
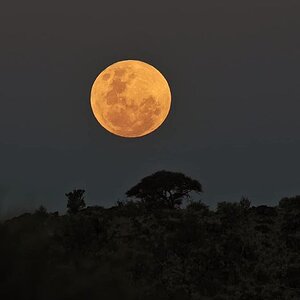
x,y
292,203
75,201
164,189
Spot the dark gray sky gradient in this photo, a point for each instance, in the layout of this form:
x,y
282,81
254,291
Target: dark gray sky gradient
x,y
233,68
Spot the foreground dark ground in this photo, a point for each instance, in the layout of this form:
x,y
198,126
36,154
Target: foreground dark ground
x,y
129,252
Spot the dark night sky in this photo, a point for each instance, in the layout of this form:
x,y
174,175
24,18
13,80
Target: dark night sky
x,y
233,67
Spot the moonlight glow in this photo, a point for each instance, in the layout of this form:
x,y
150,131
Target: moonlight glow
x,y
130,98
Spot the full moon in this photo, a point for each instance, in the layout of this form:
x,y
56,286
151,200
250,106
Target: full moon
x,y
130,98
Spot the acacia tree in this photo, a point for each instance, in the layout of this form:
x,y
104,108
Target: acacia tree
x,y
75,201
164,189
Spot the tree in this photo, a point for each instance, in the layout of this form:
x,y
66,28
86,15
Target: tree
x,y
164,189
290,204
75,201
41,211
198,206
245,203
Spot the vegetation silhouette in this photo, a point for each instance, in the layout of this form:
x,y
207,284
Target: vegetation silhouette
x,y
164,189
151,248
75,201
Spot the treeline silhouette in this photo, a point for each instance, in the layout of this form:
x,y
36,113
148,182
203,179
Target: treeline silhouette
x,y
150,247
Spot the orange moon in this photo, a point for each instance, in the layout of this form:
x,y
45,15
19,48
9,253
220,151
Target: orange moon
x,y
130,98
